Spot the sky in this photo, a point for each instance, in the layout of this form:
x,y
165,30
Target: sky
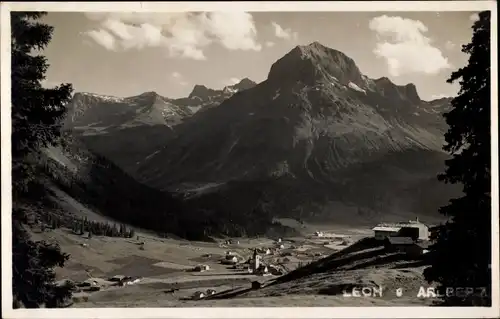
x,y
125,54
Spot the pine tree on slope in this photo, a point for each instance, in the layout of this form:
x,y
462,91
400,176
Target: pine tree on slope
x,y
36,114
461,256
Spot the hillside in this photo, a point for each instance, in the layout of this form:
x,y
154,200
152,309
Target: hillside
x,y
364,264
319,138
84,184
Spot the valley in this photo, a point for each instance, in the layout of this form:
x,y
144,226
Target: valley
x,y
201,185
163,272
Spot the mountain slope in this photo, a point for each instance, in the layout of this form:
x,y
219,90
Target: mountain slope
x,y
80,180
109,125
364,264
317,130
104,113
128,130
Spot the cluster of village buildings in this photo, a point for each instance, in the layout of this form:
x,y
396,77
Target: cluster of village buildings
x,y
254,265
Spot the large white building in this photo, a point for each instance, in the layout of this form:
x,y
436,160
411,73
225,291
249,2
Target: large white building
x,y
413,228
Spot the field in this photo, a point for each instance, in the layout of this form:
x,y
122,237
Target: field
x,y
164,269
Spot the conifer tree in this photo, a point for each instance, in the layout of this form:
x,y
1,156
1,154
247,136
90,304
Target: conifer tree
x,y
36,114
461,256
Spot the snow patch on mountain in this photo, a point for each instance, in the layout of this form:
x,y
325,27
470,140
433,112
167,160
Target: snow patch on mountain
x,y
276,95
355,87
195,109
105,98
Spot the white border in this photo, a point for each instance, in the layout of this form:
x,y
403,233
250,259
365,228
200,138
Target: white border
x,y
195,312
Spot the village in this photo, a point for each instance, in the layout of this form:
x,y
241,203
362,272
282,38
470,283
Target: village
x,y
181,270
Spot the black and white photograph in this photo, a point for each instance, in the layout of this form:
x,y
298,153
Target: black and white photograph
x,y
249,155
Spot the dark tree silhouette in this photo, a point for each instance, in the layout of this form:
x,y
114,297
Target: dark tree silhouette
x,y
461,257
36,114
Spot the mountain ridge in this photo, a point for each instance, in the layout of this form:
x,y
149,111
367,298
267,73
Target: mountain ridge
x,y
316,123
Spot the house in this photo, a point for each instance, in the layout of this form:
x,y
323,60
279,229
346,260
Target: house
x,y
128,281
117,278
421,248
198,295
230,260
262,250
201,268
210,292
407,245
413,229
398,243
262,270
318,234
382,231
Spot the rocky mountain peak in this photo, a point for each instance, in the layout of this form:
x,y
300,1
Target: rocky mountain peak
x,y
244,84
202,92
406,92
411,92
309,63
149,94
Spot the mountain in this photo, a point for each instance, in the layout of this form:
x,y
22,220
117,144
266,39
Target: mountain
x,y
202,97
319,138
99,114
110,125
